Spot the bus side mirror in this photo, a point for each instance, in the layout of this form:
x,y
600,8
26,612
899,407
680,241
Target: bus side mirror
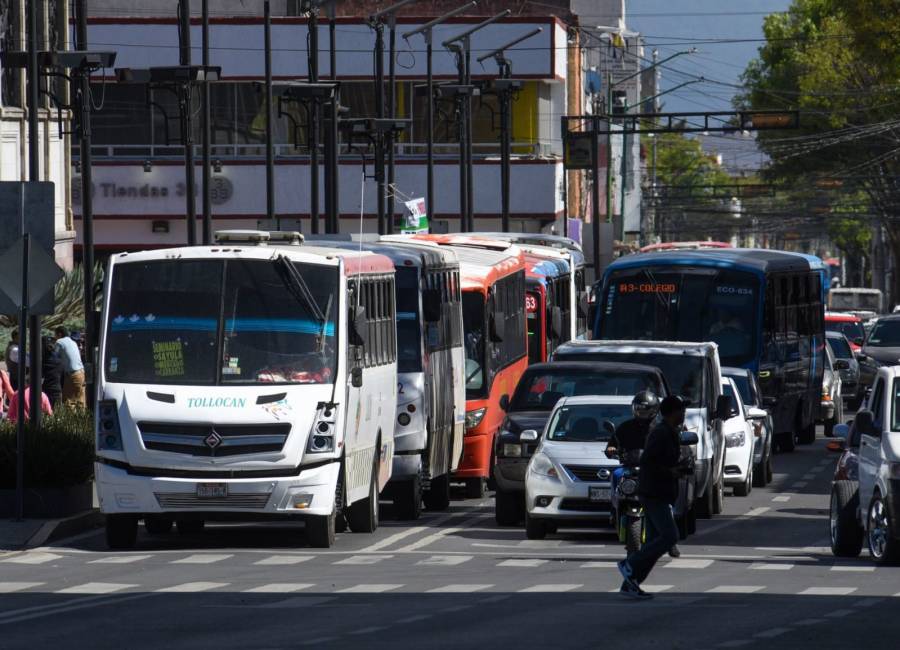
x,y
504,402
723,408
689,438
865,422
556,324
497,322
359,330
356,377
431,305
583,304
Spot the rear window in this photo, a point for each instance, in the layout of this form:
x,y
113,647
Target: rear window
x,y
541,390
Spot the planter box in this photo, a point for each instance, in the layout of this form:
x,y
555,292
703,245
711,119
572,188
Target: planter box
x,y
49,503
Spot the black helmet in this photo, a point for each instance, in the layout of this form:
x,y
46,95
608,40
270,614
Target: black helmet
x,y
645,405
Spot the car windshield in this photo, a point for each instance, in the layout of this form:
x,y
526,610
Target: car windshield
x,y
884,334
587,422
840,347
473,327
853,330
409,329
540,390
683,373
743,385
221,322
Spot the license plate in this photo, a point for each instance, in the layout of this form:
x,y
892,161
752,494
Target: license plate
x,y
212,490
599,494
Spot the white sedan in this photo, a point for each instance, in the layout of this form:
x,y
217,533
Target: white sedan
x,y
739,443
569,478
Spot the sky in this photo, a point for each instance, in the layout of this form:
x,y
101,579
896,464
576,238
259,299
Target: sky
x,y
674,25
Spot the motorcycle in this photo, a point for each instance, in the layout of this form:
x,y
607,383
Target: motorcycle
x,y
627,509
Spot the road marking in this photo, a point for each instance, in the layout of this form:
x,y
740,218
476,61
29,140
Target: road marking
x,y
458,589
771,634
456,608
681,563
808,477
415,619
859,569
810,621
279,588
368,630
737,643
839,613
755,512
539,543
781,499
387,541
655,589
120,559
548,589
360,560
598,565
298,602
434,537
33,558
95,588
319,640
444,560
368,589
202,558
499,597
734,589
799,485
523,563
827,591
11,587
765,566
282,560
192,587
816,470
28,613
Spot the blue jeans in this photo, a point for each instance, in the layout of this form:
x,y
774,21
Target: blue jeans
x,y
661,535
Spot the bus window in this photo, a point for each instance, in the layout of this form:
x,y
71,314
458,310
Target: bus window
x,y
533,315
473,325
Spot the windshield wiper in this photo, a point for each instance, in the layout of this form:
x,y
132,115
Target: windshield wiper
x,y
298,287
320,344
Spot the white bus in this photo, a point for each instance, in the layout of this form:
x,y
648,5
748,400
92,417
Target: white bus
x,y
254,379
865,303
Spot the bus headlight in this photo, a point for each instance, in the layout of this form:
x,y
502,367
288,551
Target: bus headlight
x,y
109,435
321,437
474,418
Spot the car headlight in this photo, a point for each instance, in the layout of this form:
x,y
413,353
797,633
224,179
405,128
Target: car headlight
x,y
474,418
628,487
512,449
542,465
735,439
826,397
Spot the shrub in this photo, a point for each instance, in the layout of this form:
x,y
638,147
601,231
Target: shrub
x,y
60,454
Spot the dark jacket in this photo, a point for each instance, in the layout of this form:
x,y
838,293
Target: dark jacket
x,y
631,434
657,478
52,371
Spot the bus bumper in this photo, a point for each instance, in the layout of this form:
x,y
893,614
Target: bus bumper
x,y
476,461
120,492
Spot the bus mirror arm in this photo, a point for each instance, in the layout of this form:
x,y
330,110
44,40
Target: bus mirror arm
x,y
359,326
556,322
356,377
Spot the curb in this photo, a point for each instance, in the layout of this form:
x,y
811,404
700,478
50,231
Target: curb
x,y
60,528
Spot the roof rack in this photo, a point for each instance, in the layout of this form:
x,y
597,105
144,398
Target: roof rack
x,y
259,237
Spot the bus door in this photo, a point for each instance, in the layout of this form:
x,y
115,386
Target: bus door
x,y
535,314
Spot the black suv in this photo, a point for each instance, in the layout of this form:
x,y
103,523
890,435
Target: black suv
x,y
538,390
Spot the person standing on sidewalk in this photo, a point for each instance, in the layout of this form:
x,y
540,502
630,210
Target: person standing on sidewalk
x,y
73,369
658,490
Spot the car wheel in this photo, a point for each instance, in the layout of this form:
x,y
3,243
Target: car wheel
x,y
634,530
883,546
475,488
846,533
719,497
829,427
706,503
534,528
508,507
744,488
770,470
190,526
787,442
121,532
408,499
156,525
692,520
759,474
807,435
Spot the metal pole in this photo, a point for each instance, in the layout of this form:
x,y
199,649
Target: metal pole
x,y
505,153
313,137
621,230
332,208
270,150
595,192
392,113
461,136
82,94
429,128
207,132
33,175
564,129
470,208
379,137
23,340
609,209
186,109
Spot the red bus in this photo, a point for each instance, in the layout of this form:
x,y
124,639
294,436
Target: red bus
x,y
547,305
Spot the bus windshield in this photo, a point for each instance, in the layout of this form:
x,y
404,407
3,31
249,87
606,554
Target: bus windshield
x,y
849,300
473,326
671,304
212,322
409,330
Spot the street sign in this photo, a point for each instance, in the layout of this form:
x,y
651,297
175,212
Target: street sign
x,y
416,219
43,274
578,150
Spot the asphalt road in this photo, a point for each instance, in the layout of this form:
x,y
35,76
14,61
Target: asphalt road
x,y
761,575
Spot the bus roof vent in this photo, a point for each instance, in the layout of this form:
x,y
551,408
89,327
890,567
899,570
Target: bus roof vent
x,y
291,237
256,237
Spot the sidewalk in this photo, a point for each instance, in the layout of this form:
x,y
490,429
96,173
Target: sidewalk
x,y
31,533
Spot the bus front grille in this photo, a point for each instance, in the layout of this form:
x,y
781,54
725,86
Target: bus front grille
x,y
172,500
214,440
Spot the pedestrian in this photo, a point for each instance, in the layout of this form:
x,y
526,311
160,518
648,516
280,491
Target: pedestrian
x,y
52,372
12,358
658,490
6,392
13,414
73,369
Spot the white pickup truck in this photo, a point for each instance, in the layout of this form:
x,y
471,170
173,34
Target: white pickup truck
x,y
870,512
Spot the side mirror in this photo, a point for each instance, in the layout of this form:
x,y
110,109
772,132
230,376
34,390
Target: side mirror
x,y
723,408
689,438
431,305
504,402
583,304
841,431
556,324
838,446
498,320
529,435
356,377
862,357
842,364
359,328
865,422
754,413
859,340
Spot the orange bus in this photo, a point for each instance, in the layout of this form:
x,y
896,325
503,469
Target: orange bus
x,y
492,276
547,310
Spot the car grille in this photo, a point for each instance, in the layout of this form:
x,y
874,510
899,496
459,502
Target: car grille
x,y
588,473
170,500
214,440
584,505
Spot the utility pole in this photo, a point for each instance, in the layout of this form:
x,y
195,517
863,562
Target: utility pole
x,y
207,130
270,150
187,121
313,122
333,170
34,171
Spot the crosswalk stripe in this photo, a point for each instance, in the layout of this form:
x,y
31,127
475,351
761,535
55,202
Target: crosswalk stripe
x,y
368,589
458,589
782,498
202,558
444,560
734,589
808,477
799,485
283,560
368,630
359,560
280,588
33,558
192,587
771,634
853,569
549,589
120,559
827,591
736,643
10,587
95,588
598,565
684,563
765,566
523,563
655,589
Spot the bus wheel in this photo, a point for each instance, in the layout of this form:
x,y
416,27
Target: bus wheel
x,y
706,503
321,530
807,435
362,516
408,499
121,532
475,488
719,497
190,526
437,497
156,525
786,442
